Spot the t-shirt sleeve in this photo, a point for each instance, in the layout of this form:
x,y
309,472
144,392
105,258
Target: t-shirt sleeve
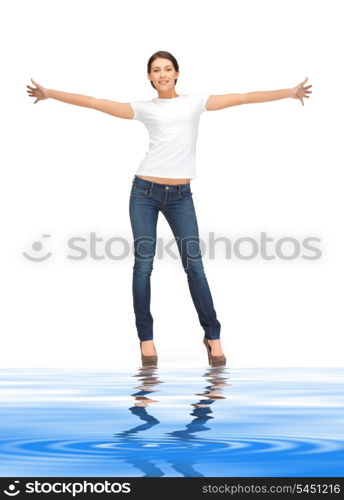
x,y
198,101
137,107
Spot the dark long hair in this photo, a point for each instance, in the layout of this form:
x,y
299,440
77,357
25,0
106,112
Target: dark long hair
x,y
164,55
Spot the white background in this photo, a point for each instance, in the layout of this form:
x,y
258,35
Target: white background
x,y
273,167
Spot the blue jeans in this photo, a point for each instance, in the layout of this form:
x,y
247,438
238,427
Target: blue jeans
x,y
175,202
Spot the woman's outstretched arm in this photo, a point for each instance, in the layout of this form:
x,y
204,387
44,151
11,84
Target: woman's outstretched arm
x,y
119,109
215,102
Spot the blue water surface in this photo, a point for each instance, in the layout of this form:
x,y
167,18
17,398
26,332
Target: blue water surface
x,y
157,422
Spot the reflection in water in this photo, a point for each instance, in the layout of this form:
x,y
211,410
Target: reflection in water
x,y
262,422
148,382
200,413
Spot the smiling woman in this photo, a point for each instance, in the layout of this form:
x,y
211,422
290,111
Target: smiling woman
x,y
162,184
162,72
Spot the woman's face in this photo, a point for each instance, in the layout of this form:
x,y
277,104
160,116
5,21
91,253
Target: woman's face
x,y
163,74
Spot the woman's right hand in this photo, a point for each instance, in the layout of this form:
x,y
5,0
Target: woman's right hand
x,y
40,92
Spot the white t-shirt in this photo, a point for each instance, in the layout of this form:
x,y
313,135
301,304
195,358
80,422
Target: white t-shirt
x,y
172,125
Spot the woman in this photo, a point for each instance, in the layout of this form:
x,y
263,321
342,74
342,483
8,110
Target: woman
x,y
162,183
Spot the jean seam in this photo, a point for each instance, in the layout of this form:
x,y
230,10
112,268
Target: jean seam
x,y
196,287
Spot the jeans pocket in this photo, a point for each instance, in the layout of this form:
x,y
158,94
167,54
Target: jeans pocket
x,y
184,195
140,192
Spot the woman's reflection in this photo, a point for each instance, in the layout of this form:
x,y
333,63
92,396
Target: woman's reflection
x,y
147,456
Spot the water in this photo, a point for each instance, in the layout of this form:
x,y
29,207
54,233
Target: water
x,y
158,422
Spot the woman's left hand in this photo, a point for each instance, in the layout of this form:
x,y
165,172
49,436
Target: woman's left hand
x,y
300,91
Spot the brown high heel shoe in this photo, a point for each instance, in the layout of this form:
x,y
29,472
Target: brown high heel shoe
x,y
148,360
214,360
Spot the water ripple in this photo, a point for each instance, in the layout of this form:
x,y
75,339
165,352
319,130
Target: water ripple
x,y
221,423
